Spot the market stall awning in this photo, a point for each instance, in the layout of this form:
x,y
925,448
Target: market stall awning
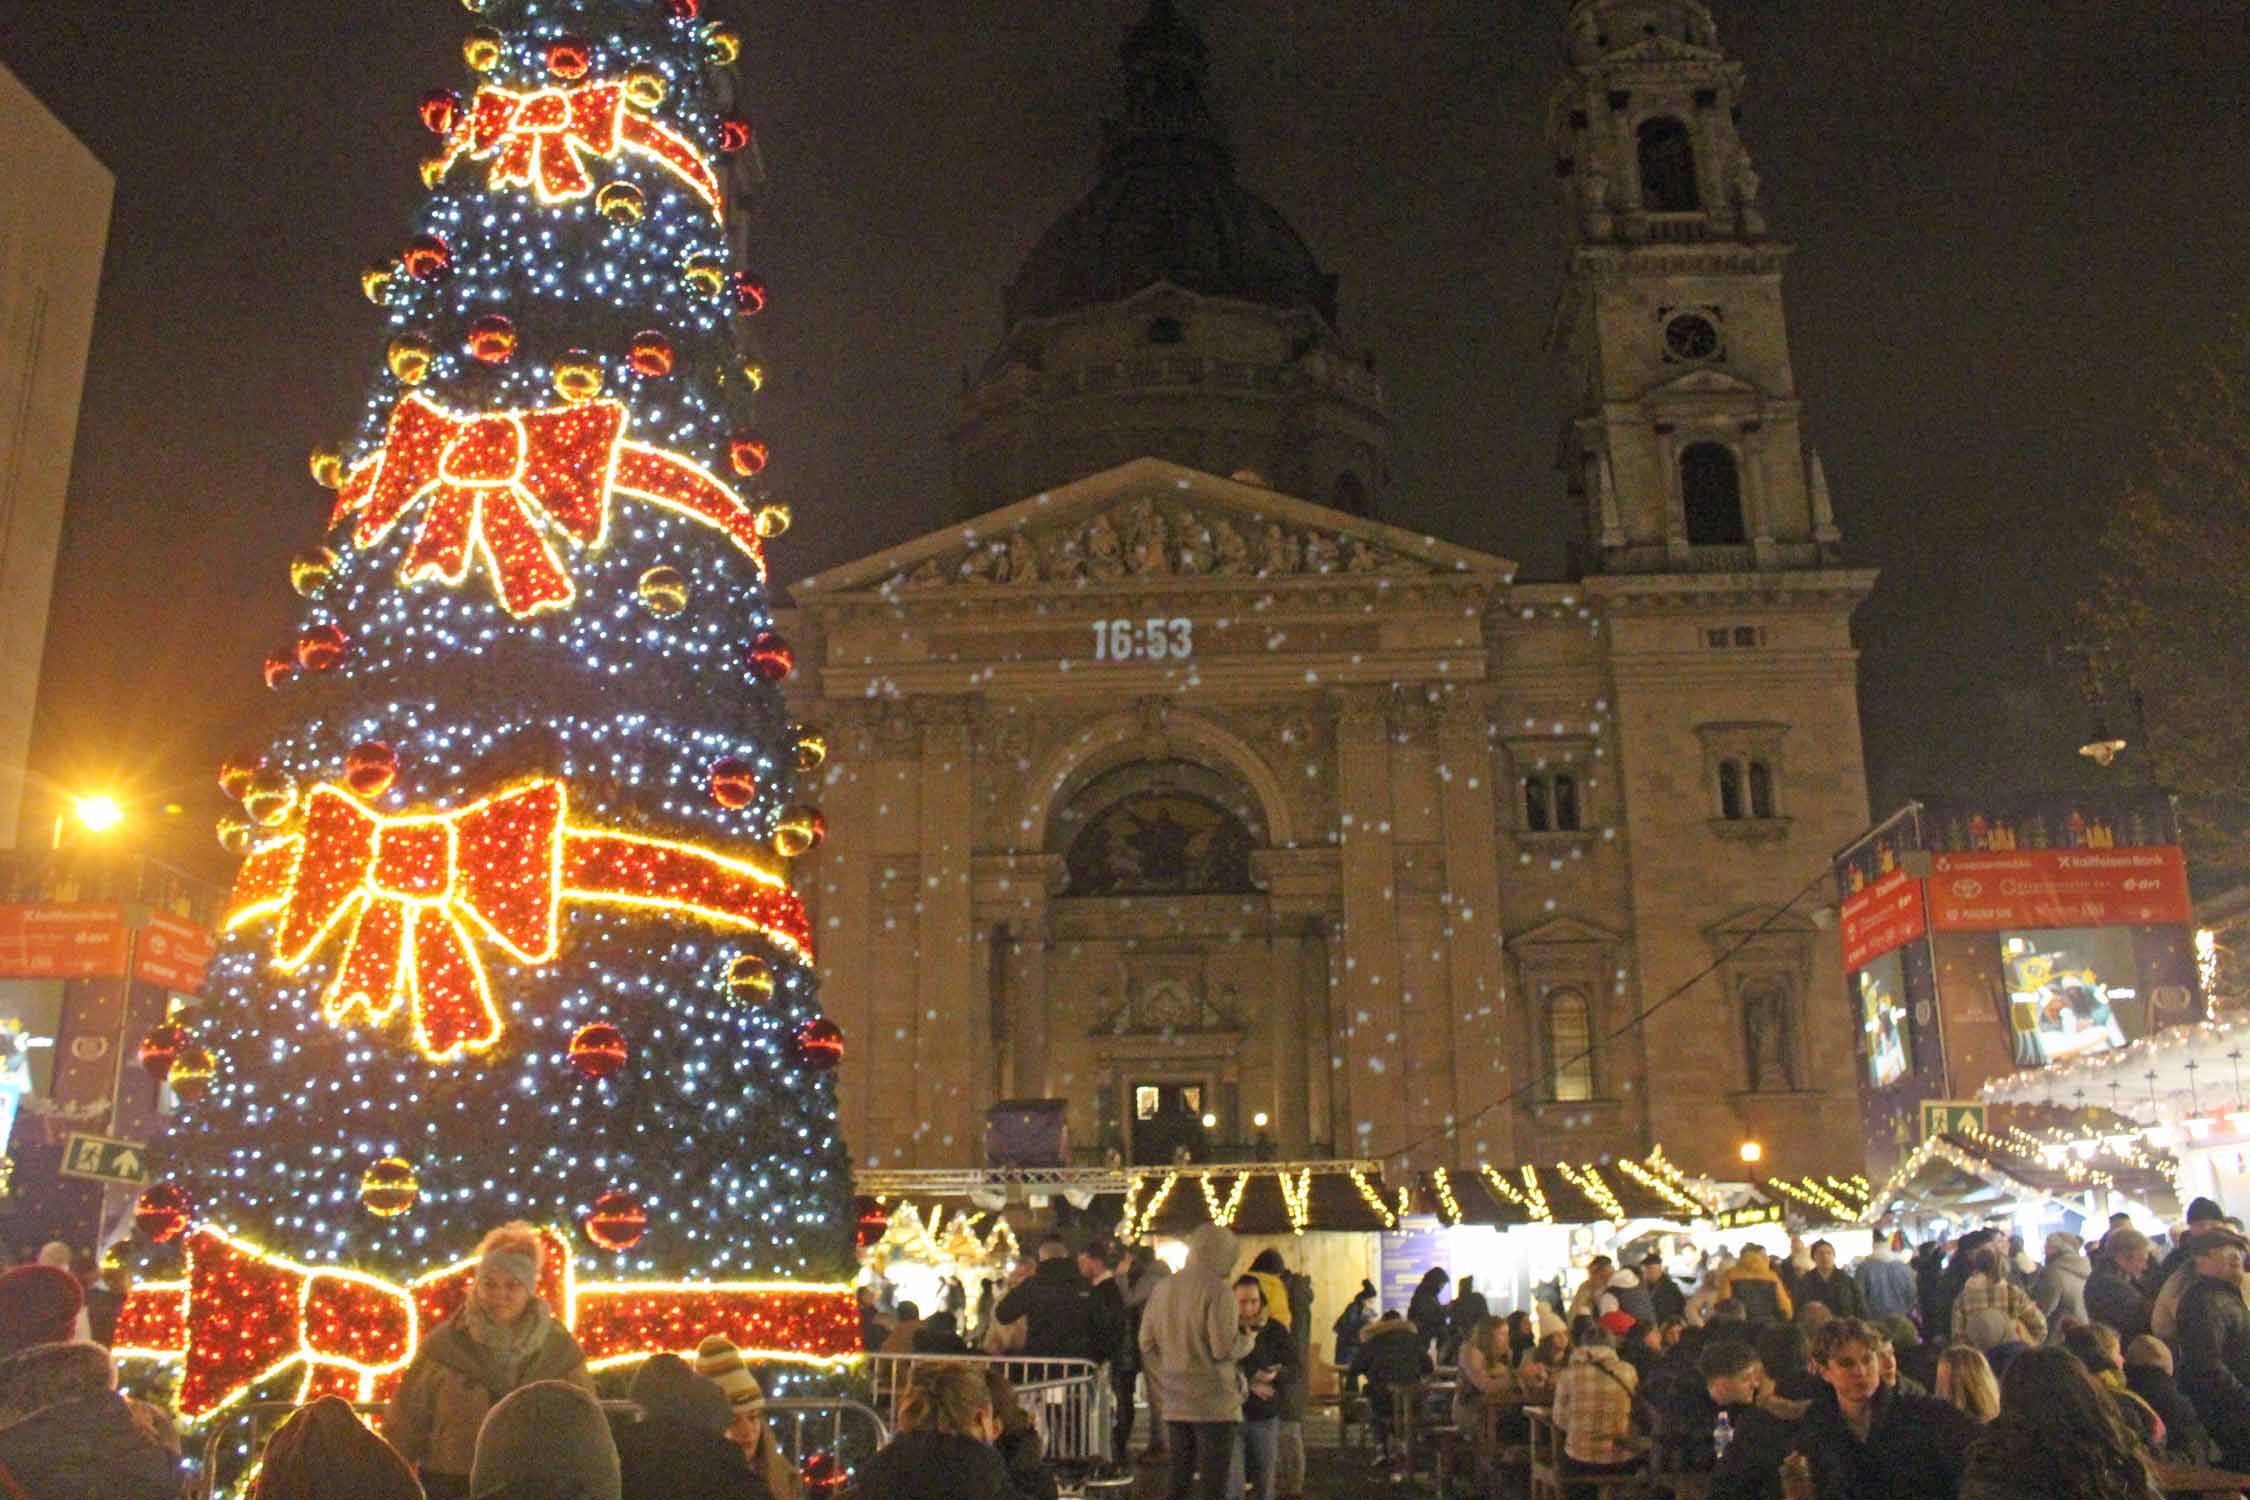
x,y
2029,1152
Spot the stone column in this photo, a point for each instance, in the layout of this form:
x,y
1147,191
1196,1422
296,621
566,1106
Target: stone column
x,y
947,1029
1375,1049
1475,978
1027,1003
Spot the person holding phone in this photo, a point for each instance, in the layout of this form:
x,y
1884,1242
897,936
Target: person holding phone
x,y
1269,1367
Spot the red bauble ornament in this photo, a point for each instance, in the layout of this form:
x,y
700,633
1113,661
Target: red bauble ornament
x,y
280,666
161,1212
617,1220
427,257
734,133
684,10
734,783
441,111
749,293
825,1474
492,339
651,355
160,1047
598,1051
771,659
819,1044
235,773
371,768
873,1222
321,649
570,57
747,451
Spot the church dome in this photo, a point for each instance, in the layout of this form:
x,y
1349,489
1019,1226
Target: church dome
x,y
1167,207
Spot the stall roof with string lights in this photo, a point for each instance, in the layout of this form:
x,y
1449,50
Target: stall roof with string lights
x,y
2081,1160
2183,1082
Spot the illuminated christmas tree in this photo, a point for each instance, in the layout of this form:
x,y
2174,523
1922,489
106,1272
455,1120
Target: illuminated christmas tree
x,y
514,935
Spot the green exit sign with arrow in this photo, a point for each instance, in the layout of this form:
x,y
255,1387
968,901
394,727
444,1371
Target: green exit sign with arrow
x,y
97,1158
1951,1117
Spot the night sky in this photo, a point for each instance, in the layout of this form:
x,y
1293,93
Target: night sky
x,y
2014,223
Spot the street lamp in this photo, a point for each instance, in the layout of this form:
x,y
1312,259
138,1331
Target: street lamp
x,y
1751,1152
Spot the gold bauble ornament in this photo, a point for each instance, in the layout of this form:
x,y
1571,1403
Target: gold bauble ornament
x,y
434,169
722,44
484,49
578,376
646,87
622,203
410,356
799,831
664,592
390,1187
235,834
192,1072
310,570
772,520
812,749
271,798
750,980
327,467
706,273
376,281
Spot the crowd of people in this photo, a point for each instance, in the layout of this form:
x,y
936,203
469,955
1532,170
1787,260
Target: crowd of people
x,y
1964,1369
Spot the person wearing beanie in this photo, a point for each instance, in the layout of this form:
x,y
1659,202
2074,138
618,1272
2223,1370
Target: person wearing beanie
x,y
65,1433
720,1362
503,1338
39,1305
324,1450
679,1450
546,1440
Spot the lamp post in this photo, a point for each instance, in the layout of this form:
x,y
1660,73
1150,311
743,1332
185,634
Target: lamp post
x,y
2102,745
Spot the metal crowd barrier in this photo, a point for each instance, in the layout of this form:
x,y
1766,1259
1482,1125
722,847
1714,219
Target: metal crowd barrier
x,y
852,1429
1070,1399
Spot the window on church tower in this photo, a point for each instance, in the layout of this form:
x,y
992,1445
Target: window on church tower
x,y
1711,495
1730,789
1761,789
1570,1040
1550,803
1668,183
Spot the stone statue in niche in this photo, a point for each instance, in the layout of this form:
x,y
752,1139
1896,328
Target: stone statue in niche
x,y
1232,553
1195,547
1768,1033
1105,555
1148,542
1280,555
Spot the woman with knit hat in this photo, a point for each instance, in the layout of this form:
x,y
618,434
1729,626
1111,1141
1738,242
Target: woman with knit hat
x,y
547,1440
504,1338
717,1359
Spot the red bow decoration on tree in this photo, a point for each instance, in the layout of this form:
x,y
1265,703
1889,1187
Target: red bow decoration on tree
x,y
540,140
411,886
495,483
418,890
244,1316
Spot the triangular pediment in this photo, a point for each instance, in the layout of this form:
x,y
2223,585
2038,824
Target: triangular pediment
x,y
1759,921
1705,382
1558,930
1146,522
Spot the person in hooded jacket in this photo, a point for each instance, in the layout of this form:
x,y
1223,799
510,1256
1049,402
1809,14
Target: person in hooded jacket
x,y
1753,1284
2148,1375
547,1440
1391,1353
65,1433
1426,1309
1296,1313
1191,1337
1887,1285
324,1452
678,1450
1349,1326
1267,1370
503,1338
2059,1287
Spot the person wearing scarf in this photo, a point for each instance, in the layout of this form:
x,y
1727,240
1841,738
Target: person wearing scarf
x,y
503,1338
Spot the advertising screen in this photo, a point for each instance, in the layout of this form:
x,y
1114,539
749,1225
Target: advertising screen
x,y
2072,992
1886,1025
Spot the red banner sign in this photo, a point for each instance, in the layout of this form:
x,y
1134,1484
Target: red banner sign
x,y
1886,915
91,942
1989,890
61,942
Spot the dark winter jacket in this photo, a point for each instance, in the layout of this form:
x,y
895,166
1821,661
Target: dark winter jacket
x,y
935,1466
1916,1449
1391,1352
2114,1298
2185,1438
1628,1296
1667,1297
938,1335
1763,1437
1059,1307
88,1449
1350,1323
1106,1322
1024,1455
659,1458
1836,1288
2214,1363
1273,1347
1426,1312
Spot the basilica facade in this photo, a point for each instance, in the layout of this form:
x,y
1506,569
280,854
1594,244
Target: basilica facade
x,y
1171,782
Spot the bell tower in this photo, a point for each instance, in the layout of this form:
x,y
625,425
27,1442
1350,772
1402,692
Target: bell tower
x,y
1685,445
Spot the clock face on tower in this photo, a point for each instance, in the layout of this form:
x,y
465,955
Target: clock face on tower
x,y
1691,336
